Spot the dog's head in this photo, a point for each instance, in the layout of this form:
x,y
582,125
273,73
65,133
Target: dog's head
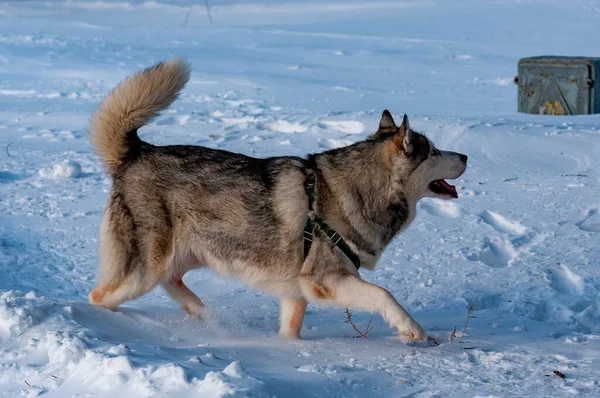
x,y
417,163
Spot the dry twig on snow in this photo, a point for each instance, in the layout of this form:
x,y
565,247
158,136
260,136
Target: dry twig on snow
x,y
360,334
453,334
469,316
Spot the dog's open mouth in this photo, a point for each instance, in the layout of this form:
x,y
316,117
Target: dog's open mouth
x,y
441,187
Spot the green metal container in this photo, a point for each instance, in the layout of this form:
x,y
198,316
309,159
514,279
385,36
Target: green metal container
x,y
559,85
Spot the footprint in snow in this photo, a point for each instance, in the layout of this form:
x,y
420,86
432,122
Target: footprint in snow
x,y
441,208
500,252
564,281
502,224
286,127
343,126
591,223
496,253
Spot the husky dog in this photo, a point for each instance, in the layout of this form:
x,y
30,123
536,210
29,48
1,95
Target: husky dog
x,y
176,208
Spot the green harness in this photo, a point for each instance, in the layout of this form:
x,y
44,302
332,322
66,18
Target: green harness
x,y
314,222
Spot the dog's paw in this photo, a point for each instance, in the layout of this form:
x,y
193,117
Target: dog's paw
x,y
289,336
194,317
413,333
195,312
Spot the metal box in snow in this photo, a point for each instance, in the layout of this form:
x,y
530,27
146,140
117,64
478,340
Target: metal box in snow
x,y
559,85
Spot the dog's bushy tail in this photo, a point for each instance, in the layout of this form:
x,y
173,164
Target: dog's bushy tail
x,y
132,104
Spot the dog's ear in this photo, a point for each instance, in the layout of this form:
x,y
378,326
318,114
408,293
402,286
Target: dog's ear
x,y
405,136
387,125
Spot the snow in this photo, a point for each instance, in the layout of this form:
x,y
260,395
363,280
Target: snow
x,y
66,169
289,78
344,126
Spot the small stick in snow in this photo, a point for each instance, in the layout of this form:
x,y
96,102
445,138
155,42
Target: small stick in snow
x,y
433,340
510,179
469,316
7,145
187,16
360,334
453,334
208,12
27,383
559,374
574,175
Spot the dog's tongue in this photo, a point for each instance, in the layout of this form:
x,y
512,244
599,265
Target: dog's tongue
x,y
451,188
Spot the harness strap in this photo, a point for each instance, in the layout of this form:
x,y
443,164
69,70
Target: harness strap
x,y
314,222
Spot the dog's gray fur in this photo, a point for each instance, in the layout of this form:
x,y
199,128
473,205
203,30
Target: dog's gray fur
x,y
175,208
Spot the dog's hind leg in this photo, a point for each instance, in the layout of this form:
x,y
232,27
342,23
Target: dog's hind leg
x,y
292,316
125,274
190,303
349,291
118,254
175,287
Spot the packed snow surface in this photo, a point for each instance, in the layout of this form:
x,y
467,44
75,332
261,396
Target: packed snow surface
x,y
521,245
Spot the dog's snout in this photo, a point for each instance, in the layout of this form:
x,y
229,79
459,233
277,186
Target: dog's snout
x,y
463,158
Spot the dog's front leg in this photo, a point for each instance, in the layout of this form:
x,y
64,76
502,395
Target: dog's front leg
x,y
351,292
292,316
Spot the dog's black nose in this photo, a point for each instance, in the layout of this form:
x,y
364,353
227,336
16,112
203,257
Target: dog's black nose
x,y
464,158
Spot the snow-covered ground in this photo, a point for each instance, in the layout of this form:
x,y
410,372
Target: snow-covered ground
x,y
290,77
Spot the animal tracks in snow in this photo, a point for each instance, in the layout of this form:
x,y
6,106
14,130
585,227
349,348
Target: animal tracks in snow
x,y
496,253
564,281
343,126
441,208
282,126
499,252
591,223
502,224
